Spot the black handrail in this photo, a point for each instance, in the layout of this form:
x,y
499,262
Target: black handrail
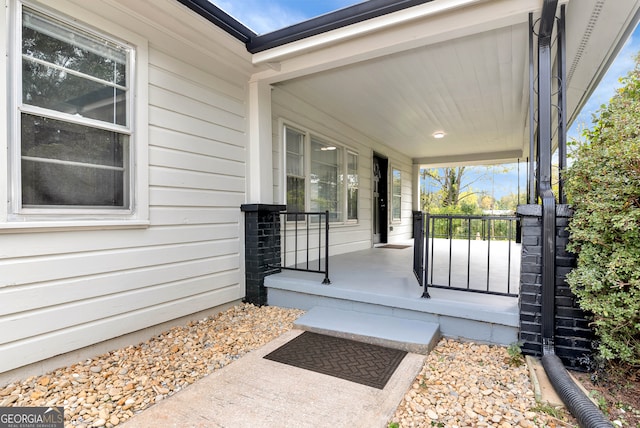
x,y
291,220
479,227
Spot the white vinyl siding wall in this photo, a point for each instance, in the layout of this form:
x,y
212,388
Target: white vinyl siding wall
x,y
62,290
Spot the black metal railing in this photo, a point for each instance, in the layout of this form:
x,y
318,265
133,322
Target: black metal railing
x,y
470,253
308,234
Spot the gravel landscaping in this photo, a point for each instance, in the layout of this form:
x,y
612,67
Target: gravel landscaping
x,y
461,384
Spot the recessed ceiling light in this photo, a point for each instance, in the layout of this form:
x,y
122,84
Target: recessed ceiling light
x,y
326,148
438,134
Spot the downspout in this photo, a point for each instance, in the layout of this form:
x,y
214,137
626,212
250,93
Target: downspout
x,y
547,21
587,414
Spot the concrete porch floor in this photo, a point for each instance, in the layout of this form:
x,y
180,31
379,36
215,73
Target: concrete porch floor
x,y
380,281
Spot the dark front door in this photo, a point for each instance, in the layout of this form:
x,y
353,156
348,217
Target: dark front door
x,y
380,166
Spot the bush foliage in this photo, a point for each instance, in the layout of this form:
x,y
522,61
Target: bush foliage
x,y
603,185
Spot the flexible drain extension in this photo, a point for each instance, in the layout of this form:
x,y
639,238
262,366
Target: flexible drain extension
x,y
583,409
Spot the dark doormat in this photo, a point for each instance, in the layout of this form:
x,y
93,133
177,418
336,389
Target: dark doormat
x,y
363,363
395,246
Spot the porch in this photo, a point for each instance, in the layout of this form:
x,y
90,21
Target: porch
x,y
375,289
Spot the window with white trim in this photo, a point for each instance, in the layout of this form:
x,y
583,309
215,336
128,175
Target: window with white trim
x,y
73,139
396,194
320,176
352,186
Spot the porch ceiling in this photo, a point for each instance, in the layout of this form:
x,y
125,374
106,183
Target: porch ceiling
x,y
461,69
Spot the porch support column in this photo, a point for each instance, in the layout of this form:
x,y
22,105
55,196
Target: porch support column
x,y
260,155
416,188
547,22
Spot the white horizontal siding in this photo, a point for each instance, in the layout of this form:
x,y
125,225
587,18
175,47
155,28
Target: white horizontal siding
x,y
37,246
175,215
194,198
63,290
43,320
189,161
71,265
32,349
30,297
183,123
200,145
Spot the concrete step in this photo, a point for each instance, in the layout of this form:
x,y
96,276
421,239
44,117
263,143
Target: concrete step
x,y
468,316
405,334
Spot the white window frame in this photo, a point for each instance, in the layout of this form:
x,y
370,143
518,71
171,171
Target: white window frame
x,y
346,196
343,170
136,214
393,196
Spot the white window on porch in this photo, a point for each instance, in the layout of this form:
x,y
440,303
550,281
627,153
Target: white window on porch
x,y
72,150
324,180
294,145
352,186
396,195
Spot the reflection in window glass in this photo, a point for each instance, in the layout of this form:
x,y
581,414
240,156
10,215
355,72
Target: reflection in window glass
x,y
72,78
70,71
324,189
396,195
66,164
294,142
320,176
352,186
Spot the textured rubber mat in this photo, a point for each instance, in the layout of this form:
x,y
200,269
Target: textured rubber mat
x,y
394,246
358,362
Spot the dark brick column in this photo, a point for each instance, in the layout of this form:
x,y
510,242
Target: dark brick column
x,y
572,333
261,248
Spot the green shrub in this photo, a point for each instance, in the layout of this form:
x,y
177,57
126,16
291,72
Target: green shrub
x,y
603,185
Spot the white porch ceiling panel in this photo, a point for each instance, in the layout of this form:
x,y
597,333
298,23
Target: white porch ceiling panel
x,y
471,88
463,71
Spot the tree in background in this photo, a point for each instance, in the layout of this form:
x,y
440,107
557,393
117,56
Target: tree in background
x,y
455,193
450,182
603,186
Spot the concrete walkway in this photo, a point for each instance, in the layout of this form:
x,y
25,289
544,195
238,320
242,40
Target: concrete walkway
x,y
255,392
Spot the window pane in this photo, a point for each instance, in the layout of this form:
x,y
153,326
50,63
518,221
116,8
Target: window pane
x,y
68,185
49,40
295,152
54,139
295,194
61,64
352,186
52,89
396,202
69,164
324,179
294,146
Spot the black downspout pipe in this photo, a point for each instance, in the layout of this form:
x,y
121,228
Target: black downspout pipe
x,y
587,414
547,22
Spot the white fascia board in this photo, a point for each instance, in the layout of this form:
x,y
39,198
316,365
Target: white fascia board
x,y
396,32
469,159
359,29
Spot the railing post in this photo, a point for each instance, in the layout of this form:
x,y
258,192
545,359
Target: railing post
x,y
425,293
326,249
262,248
